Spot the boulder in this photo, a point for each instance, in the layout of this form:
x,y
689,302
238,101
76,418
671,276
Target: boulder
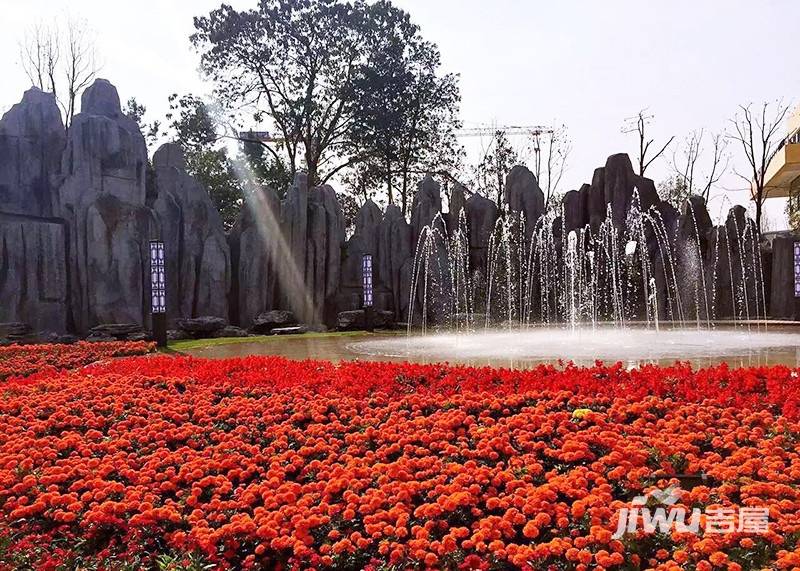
x,y
15,329
17,333
621,186
117,330
59,338
523,196
177,335
230,331
294,222
268,320
368,219
597,209
255,243
103,200
33,271
197,254
100,338
356,320
32,139
205,324
293,330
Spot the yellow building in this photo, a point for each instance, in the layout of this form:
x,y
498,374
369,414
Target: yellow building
x,y
782,178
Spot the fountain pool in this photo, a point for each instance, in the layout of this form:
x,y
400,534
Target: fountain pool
x,y
737,346
630,345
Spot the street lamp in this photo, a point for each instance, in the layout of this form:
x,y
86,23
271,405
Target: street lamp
x,y
366,279
158,292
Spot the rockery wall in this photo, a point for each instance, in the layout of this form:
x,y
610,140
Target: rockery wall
x,y
76,216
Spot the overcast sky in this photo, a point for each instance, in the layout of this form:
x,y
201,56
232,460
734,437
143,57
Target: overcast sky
x,y
586,64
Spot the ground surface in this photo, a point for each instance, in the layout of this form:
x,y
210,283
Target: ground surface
x,y
176,462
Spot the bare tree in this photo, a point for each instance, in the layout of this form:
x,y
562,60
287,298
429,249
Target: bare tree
x,y
551,150
638,124
61,61
39,55
689,159
759,133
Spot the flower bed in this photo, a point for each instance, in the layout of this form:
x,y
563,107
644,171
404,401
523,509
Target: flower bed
x,y
22,360
167,462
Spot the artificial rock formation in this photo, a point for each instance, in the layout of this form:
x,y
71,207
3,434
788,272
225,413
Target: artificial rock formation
x,y
523,196
33,268
76,221
363,241
103,200
31,141
255,241
313,227
76,217
197,253
394,251
481,216
427,203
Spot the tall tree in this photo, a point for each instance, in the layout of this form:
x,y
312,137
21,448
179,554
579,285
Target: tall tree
x,y
759,135
405,113
638,124
327,74
60,58
296,61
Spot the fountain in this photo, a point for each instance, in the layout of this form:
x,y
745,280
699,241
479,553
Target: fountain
x,y
636,289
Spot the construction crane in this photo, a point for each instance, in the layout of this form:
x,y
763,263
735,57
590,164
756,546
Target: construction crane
x,y
511,130
259,137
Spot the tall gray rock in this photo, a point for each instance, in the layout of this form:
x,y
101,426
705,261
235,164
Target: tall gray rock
x,y
256,245
33,264
32,139
619,184
363,241
103,200
596,204
294,216
458,200
324,243
368,219
313,230
198,257
427,203
575,208
481,215
523,196
394,251
782,303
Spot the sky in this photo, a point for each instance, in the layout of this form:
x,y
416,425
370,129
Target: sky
x,y
586,64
